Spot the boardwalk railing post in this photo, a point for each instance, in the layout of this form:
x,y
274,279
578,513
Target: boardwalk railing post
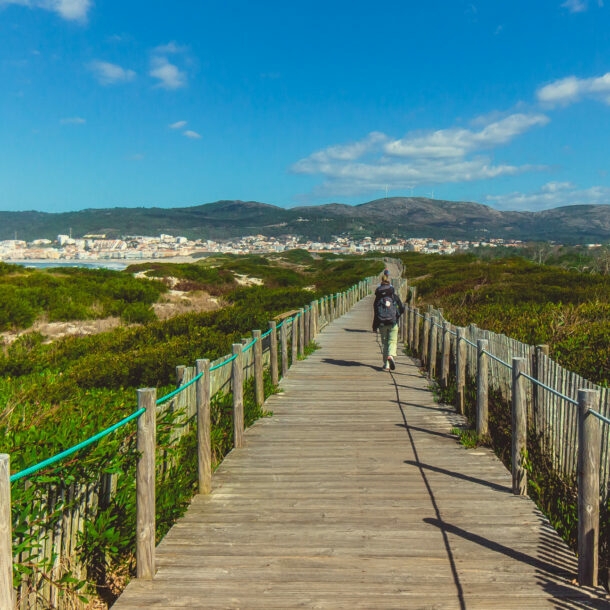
x,y
273,353
460,370
237,387
402,329
203,389
307,326
145,484
588,487
314,320
416,330
519,427
284,347
445,353
259,383
425,340
482,385
301,332
7,595
294,341
432,348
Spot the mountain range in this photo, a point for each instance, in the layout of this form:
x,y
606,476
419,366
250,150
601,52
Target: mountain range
x,y
391,216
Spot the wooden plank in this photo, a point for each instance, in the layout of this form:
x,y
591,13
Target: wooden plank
x,y
355,494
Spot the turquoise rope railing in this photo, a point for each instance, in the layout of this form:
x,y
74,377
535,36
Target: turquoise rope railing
x,y
64,454
249,345
165,398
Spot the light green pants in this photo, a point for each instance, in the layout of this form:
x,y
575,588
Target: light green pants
x,y
389,338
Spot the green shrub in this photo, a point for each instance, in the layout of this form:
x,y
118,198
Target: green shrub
x,y
138,313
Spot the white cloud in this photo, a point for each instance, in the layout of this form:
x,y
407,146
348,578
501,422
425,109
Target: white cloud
x,y
170,77
572,89
576,6
191,134
75,120
444,156
458,142
178,125
348,152
71,10
110,74
169,49
551,195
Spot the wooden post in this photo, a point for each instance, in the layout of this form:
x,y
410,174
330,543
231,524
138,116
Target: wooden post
x,y
145,484
402,334
307,327
519,427
177,403
259,383
460,370
237,386
294,342
416,330
273,353
284,347
204,438
445,354
301,332
412,322
482,392
425,340
314,320
588,487
7,596
432,348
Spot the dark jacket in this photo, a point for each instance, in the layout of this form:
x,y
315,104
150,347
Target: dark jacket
x,y
384,290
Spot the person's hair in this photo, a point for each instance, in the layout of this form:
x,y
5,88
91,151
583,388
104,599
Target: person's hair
x,y
385,279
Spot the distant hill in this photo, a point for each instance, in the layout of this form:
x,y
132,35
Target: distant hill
x,y
399,216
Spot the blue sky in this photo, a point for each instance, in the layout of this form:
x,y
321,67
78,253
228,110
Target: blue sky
x,y
108,103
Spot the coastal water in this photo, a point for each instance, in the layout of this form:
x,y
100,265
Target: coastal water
x,y
116,266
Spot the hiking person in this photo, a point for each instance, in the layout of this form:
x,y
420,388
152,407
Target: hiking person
x,y
387,309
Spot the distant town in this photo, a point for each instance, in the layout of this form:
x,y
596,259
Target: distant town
x,y
134,248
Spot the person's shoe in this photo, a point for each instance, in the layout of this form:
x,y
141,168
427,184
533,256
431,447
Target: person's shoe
x,y
386,366
391,362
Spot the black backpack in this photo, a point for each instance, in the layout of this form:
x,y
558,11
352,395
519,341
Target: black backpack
x,y
387,311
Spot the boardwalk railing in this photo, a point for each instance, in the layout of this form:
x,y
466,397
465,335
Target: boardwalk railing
x,y
568,414
280,346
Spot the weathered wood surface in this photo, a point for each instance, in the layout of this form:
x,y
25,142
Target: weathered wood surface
x,y
355,495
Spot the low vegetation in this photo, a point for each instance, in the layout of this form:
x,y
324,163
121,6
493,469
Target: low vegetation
x,y
533,303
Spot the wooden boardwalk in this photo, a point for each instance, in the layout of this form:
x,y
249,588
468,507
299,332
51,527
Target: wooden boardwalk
x,y
355,495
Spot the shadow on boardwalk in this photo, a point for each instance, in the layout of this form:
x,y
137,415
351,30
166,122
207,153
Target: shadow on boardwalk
x,y
355,495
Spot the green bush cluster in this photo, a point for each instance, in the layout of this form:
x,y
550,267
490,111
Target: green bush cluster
x,y
70,293
533,303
